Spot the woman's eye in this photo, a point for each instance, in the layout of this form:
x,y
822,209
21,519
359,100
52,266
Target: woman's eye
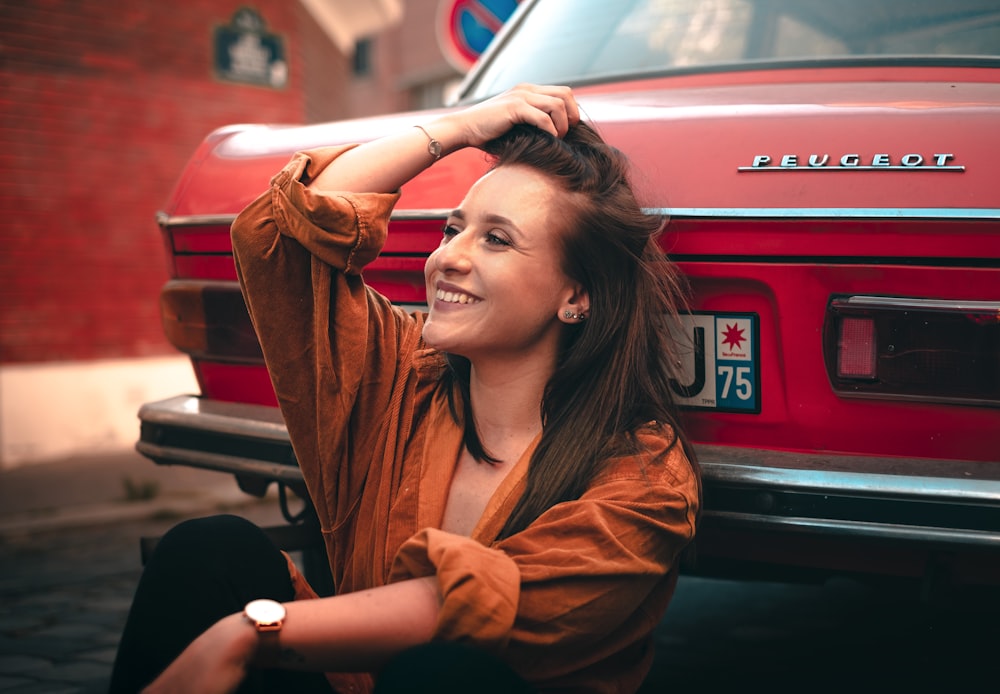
x,y
449,230
495,239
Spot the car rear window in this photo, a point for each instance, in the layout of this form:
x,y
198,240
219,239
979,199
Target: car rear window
x,y
575,41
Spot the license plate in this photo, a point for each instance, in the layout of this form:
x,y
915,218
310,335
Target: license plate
x,y
720,364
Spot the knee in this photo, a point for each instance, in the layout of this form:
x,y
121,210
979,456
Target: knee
x,y
207,541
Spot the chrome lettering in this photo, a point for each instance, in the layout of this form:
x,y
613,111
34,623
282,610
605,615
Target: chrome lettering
x,y
879,161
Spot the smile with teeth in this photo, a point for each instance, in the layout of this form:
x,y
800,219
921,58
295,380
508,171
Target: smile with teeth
x,y
455,297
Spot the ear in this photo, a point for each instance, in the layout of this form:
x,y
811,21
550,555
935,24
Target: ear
x,y
575,308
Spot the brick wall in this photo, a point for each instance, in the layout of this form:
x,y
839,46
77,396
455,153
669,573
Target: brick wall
x,y
101,106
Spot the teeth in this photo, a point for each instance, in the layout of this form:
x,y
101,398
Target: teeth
x,y
454,297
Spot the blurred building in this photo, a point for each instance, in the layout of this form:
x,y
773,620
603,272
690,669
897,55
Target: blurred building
x,y
103,103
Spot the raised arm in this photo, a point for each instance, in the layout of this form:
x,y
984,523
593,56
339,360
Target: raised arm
x,y
384,165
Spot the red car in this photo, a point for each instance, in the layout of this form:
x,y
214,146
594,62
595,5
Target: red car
x,y
831,171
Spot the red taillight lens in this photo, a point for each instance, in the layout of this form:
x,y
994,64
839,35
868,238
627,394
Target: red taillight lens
x,y
209,320
922,349
856,348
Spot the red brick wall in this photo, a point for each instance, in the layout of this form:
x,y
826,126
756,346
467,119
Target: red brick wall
x,y
101,105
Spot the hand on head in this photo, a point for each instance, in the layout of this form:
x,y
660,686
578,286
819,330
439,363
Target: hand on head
x,y
387,163
549,108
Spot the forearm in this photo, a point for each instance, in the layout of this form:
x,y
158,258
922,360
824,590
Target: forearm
x,y
384,165
357,632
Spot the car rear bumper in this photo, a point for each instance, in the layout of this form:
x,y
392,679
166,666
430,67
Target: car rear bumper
x,y
249,441
941,503
938,502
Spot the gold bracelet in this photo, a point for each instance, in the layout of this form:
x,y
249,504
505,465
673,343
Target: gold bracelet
x,y
433,146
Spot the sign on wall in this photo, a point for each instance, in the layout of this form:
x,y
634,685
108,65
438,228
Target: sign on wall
x,y
466,27
245,52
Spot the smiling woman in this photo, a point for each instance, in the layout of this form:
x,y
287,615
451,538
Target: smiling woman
x,y
501,261
504,473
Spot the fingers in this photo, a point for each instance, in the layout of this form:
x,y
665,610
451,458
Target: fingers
x,y
549,108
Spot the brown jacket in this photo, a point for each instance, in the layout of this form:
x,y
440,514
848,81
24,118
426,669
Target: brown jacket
x,y
571,601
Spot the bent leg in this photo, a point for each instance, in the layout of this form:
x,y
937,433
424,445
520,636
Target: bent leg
x,y
201,570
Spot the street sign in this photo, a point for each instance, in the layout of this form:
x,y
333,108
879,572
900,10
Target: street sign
x,y
466,27
246,52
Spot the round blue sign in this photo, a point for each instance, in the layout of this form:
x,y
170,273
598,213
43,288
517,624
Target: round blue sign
x,y
470,25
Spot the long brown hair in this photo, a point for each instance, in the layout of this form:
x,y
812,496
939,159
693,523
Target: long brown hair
x,y
614,369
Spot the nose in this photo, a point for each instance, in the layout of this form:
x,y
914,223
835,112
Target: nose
x,y
455,254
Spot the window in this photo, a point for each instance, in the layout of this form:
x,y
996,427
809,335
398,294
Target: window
x,y
362,64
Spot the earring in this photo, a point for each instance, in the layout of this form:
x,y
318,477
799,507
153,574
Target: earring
x,y
574,316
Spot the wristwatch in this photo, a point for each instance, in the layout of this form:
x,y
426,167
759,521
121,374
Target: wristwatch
x,y
433,146
267,617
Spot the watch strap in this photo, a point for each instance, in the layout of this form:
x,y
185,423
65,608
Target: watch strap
x,y
267,624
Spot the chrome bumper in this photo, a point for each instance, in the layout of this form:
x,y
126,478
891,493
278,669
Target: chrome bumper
x,y
249,441
945,503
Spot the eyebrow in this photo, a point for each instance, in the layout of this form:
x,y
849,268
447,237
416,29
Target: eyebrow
x,y
490,218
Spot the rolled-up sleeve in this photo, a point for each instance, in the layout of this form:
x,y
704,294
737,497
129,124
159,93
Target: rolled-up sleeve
x,y
480,585
586,580
331,344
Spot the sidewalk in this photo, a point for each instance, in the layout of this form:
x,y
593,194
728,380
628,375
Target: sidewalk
x,y
109,488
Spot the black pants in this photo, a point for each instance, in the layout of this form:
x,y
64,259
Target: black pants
x,y
205,569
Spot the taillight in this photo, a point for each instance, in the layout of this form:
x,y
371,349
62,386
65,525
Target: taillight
x,y
209,320
921,349
856,348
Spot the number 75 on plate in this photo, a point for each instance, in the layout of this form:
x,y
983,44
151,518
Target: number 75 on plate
x,y
720,365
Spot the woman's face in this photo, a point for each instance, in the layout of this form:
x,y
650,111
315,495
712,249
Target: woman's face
x,y
495,285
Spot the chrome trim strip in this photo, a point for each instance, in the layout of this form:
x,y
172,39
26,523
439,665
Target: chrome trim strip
x,y
869,484
420,215
194,220
883,531
834,212
165,220
229,418
288,474
911,304
870,475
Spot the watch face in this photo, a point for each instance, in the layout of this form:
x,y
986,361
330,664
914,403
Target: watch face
x,y
265,612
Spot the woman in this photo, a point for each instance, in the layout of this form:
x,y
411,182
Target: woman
x,y
504,472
